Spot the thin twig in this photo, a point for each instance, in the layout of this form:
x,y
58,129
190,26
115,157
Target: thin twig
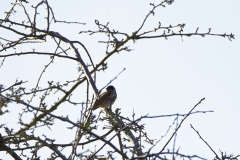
x,y
179,127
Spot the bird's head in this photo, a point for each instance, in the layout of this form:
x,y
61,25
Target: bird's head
x,y
110,89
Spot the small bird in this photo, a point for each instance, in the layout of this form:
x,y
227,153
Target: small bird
x,y
106,99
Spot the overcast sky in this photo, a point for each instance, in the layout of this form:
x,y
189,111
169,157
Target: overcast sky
x,y
161,76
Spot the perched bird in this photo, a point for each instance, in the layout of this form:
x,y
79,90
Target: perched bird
x,y
106,99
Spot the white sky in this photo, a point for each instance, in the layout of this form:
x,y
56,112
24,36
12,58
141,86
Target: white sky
x,y
162,76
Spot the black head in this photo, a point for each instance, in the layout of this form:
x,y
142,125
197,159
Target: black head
x,y
110,88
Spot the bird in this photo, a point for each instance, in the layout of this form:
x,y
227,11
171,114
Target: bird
x,y
106,99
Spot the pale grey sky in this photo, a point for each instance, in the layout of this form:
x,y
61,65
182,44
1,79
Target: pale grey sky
x,y
162,76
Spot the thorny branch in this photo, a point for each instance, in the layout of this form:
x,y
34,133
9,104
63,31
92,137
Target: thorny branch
x,y
17,142
223,156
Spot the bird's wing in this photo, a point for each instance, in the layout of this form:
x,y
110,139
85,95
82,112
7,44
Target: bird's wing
x,y
101,98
